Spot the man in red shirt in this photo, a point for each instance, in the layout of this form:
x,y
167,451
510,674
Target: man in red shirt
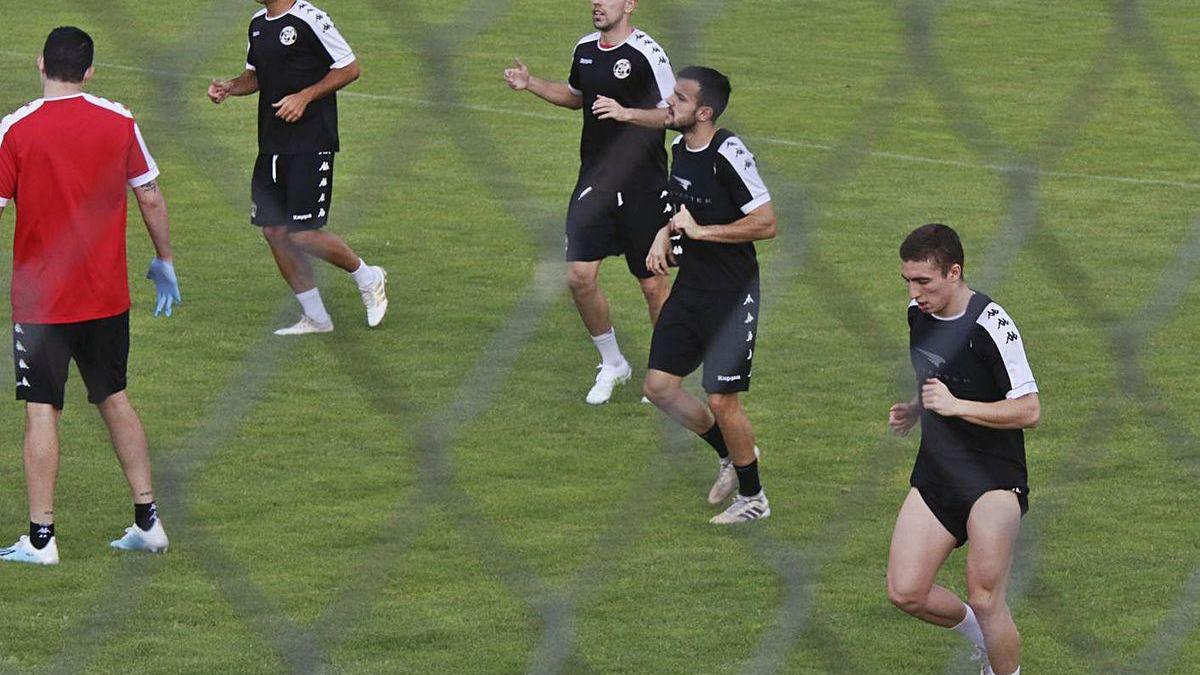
x,y
65,161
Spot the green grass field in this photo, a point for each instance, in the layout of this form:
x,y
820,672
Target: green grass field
x,y
434,495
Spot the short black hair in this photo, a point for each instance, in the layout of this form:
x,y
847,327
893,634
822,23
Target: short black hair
x,y
934,242
67,54
714,87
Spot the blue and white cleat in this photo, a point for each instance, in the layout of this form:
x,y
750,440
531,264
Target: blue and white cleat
x,y
136,539
24,552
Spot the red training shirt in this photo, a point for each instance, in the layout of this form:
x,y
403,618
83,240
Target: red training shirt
x,y
66,163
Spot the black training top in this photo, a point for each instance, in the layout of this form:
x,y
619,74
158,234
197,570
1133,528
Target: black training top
x,y
616,156
290,52
719,184
980,357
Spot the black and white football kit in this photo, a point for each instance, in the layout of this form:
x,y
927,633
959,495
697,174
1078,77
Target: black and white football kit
x,y
980,357
712,314
293,174
619,202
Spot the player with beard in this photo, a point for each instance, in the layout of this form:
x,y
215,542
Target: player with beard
x,y
712,315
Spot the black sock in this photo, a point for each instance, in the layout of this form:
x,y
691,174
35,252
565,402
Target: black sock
x,y
714,438
748,483
145,515
39,534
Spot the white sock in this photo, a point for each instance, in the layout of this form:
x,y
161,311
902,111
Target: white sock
x,y
610,353
969,628
314,309
365,275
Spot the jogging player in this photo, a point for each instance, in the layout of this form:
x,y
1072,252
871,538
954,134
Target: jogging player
x,y
976,393
297,60
712,314
621,78
66,160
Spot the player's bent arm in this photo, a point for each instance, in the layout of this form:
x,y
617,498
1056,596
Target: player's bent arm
x,y
244,84
557,93
335,79
757,225
1011,413
153,206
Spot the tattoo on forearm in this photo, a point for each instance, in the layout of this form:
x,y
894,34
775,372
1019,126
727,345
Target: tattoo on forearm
x,y
152,186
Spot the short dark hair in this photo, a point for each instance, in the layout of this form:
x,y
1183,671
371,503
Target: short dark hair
x,y
934,242
714,87
67,54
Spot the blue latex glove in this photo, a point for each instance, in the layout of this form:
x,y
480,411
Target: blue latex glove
x,y
162,273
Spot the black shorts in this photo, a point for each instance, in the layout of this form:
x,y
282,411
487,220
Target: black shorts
x,y
42,354
952,510
716,328
600,224
292,190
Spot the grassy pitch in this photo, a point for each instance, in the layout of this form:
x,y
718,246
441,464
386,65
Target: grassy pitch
x,y
434,495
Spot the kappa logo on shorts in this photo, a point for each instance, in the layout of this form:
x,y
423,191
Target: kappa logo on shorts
x,y
323,183
750,355
749,318
287,36
749,336
20,347
24,382
22,365
306,216
253,210
677,250
321,213
622,69
322,199
324,166
749,300
17,329
728,378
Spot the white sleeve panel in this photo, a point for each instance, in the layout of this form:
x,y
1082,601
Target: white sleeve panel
x,y
249,66
151,166
1003,331
742,160
664,77
331,39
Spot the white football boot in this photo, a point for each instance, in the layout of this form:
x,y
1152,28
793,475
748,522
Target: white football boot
x,y
136,539
374,298
306,325
606,380
744,509
23,552
726,481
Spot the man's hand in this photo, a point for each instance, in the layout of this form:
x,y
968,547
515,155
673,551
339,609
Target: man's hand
x,y
219,90
661,258
936,397
606,108
902,417
291,108
684,223
518,77
162,273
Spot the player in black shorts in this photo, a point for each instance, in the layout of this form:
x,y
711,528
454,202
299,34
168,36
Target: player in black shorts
x,y
621,78
976,395
712,314
297,60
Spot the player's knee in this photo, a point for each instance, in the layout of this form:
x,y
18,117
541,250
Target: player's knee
x,y
724,405
658,389
908,599
275,234
580,279
654,286
985,601
302,238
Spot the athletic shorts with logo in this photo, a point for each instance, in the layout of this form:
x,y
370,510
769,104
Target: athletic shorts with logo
x,y
42,354
292,190
952,508
600,224
716,328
